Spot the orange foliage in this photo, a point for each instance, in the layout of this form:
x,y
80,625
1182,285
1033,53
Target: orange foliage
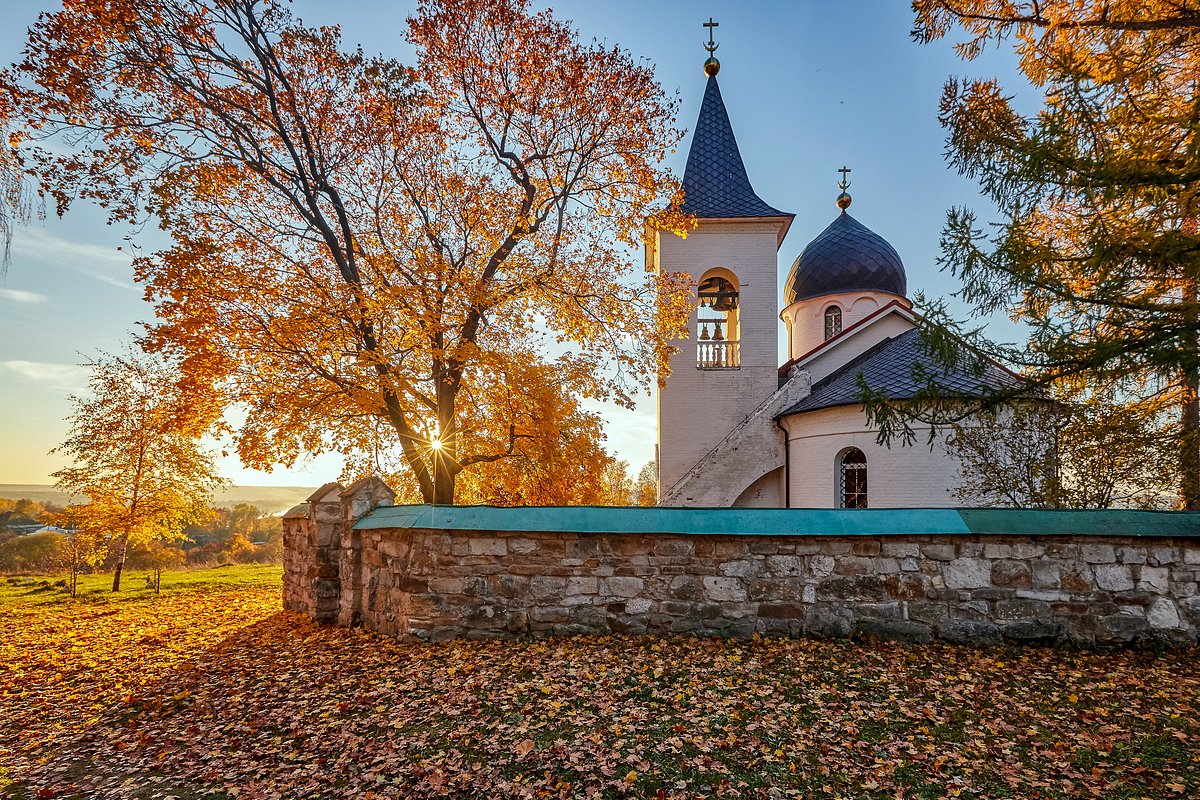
x,y
204,694
369,256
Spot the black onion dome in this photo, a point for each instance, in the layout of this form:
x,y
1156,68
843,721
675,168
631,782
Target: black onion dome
x,y
847,256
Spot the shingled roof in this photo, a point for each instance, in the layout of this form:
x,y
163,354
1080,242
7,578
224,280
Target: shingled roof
x,y
715,183
888,367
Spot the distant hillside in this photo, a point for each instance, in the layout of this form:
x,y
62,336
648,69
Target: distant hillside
x,y
271,499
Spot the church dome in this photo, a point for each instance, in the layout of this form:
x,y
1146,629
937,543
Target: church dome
x,y
847,256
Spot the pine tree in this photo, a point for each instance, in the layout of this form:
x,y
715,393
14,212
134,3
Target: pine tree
x,y
1096,249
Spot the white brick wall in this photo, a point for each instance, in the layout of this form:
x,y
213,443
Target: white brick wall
x,y
845,351
697,408
897,476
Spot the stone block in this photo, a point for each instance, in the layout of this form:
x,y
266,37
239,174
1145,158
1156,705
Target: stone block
x,y
828,622
1121,627
787,565
865,547
586,547
933,613
543,587
1191,555
905,586
1046,595
1031,632
821,566
743,568
997,551
854,565
1006,572
1028,550
582,585
909,565
1078,577
1131,555
1044,574
809,594
1191,609
938,552
1165,555
970,632
891,610
1114,577
1062,550
862,587
1163,615
638,605
967,573
523,547
1098,553
676,608
970,550
1021,609
622,586
487,546
686,587
673,547
899,630
447,585
885,566
781,611
724,589
901,549
1155,579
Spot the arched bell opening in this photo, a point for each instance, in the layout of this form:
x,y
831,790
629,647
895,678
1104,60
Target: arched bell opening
x,y
718,329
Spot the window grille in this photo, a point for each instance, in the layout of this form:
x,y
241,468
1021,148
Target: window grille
x,y
833,322
852,479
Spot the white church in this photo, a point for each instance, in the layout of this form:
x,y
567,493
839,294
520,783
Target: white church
x,y
736,428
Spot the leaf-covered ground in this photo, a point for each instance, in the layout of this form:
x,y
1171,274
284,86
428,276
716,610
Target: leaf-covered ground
x,y
219,693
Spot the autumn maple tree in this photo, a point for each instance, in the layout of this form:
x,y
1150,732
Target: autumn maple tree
x,y
136,457
378,259
1096,248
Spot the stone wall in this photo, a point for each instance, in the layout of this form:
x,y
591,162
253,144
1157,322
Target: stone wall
x,y
435,584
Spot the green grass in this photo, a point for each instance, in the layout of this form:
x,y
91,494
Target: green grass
x,y
97,588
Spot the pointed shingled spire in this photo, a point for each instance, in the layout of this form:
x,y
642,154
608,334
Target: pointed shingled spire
x,y
715,183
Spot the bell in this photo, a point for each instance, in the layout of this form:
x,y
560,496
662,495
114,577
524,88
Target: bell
x,y
704,333
717,337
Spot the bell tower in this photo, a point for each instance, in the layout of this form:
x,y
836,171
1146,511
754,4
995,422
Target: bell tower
x,y
728,365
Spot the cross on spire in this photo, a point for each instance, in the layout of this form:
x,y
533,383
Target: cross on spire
x,y
844,184
712,46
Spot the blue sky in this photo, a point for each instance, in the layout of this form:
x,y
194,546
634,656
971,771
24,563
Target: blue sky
x,y
809,86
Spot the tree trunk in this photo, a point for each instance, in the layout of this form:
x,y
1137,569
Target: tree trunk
x,y
444,481
1189,444
120,563
1189,416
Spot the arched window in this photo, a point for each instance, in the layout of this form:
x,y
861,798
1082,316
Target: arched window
x,y
852,479
833,322
717,321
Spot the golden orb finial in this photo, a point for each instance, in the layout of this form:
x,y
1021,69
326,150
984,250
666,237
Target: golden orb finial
x,y
711,66
843,199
